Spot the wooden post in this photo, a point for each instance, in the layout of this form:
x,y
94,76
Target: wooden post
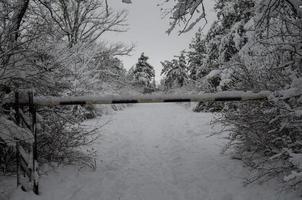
x,y
18,163
17,117
17,107
32,109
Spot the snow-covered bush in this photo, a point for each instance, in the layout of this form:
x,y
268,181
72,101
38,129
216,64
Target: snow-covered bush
x,y
41,50
255,45
266,134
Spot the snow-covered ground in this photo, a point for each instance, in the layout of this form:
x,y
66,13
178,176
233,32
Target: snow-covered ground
x,y
156,152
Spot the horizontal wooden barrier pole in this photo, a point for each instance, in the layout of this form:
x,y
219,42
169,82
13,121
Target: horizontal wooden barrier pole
x,y
151,98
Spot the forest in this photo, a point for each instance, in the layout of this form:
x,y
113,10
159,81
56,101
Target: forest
x,y
56,48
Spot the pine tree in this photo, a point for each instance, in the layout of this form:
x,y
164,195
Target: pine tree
x,y
196,57
175,72
232,17
143,73
226,37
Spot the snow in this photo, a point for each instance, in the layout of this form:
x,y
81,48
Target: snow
x,y
213,74
9,132
292,176
296,159
7,186
156,152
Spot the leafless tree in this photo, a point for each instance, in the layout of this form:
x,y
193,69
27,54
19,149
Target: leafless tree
x,y
84,21
12,14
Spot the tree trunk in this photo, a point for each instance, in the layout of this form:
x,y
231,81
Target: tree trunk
x,y
13,30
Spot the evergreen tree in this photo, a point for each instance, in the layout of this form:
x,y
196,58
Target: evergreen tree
x,y
214,51
196,57
143,73
175,72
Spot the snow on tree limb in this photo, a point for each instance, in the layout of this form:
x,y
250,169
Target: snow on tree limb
x,y
10,132
183,12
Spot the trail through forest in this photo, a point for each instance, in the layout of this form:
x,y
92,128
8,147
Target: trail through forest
x,y
156,152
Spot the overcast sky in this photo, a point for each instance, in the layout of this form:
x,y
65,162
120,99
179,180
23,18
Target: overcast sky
x,y
147,31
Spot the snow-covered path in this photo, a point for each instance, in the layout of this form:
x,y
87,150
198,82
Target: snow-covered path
x,y
155,152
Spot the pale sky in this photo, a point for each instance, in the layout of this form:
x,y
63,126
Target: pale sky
x,y
147,31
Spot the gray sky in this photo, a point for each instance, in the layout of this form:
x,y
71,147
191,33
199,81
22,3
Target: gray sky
x,y
147,30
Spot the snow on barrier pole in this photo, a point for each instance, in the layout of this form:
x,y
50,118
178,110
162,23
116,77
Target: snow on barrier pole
x,y
205,97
